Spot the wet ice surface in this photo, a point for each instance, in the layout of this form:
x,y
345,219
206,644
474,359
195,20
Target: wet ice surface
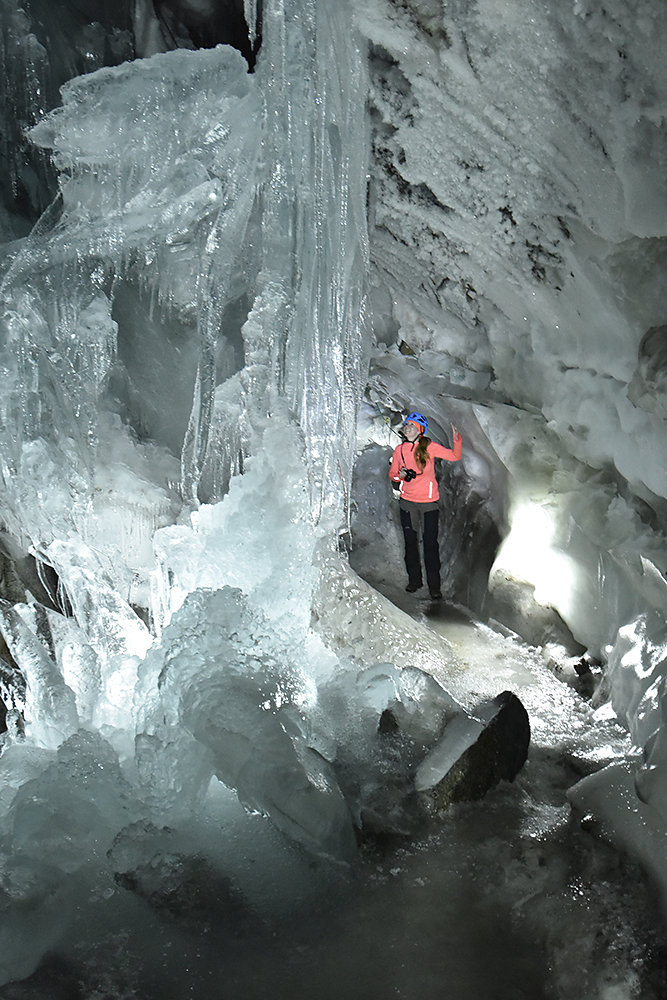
x,y
510,897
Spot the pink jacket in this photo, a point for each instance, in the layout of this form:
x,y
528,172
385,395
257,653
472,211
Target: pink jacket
x,y
424,488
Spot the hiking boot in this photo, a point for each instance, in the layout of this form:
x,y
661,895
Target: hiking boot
x,y
411,587
436,595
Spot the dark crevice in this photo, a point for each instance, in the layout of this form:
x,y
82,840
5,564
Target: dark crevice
x,y
189,25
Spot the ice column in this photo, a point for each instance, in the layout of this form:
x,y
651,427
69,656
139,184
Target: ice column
x,y
315,208
305,334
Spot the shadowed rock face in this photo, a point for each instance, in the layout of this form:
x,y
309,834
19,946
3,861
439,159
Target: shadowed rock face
x,y
12,690
476,753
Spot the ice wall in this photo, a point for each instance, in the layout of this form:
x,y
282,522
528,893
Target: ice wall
x,y
518,259
525,210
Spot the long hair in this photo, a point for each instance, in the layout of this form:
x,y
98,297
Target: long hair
x,y
420,453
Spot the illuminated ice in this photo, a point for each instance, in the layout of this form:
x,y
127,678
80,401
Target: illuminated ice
x,y
224,689
50,704
201,232
182,354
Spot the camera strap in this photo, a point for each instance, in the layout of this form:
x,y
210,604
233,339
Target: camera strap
x,y
414,445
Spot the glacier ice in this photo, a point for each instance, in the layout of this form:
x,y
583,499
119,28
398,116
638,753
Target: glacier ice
x,y
188,320
219,216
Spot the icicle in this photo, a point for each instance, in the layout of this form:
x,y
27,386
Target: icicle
x,y
50,705
250,12
314,225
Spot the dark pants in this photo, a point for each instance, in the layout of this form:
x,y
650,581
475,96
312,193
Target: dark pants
x,y
429,527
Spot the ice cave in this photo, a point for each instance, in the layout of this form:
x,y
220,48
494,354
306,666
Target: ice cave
x,y
240,240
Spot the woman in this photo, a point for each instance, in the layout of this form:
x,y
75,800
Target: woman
x,y
412,472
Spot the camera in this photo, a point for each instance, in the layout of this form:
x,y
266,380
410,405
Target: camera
x,y
410,474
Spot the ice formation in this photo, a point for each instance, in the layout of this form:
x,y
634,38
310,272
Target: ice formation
x,y
199,278
186,335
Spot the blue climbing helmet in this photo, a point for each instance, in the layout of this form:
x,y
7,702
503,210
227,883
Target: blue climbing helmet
x,y
418,419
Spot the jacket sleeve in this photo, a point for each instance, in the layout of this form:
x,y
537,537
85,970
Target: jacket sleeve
x,y
395,466
449,454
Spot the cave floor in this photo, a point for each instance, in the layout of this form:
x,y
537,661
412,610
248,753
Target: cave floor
x,y
513,897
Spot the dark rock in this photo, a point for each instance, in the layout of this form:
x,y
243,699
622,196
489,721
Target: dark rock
x,y
476,752
11,587
197,25
186,887
649,382
152,864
